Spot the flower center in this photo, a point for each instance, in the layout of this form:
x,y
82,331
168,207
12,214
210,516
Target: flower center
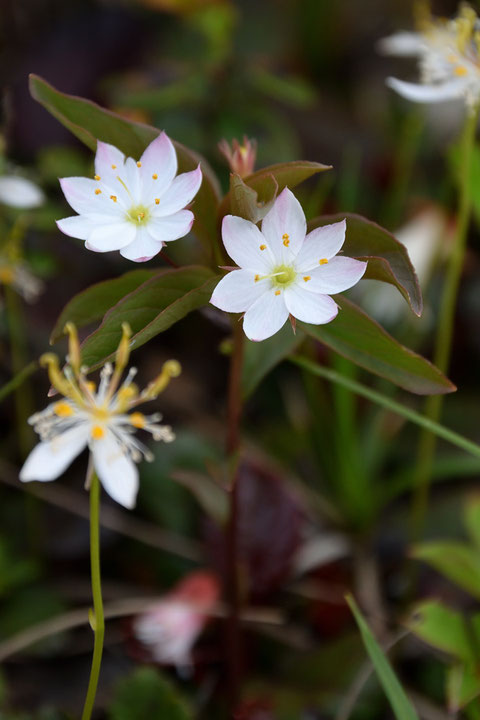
x,y
138,214
283,276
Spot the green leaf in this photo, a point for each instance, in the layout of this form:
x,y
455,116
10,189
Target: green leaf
x,y
271,180
401,705
92,304
459,562
89,122
387,258
362,340
244,200
150,309
147,694
444,629
463,686
472,518
261,357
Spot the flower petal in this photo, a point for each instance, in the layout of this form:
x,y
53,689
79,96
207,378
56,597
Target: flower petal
x,y
49,459
265,317
81,196
80,226
109,162
322,243
143,247
284,227
340,274
450,90
182,191
159,159
402,44
237,291
243,242
19,192
113,236
117,472
310,307
172,227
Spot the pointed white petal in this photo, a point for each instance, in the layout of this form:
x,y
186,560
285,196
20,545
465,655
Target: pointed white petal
x,y
310,307
182,191
171,227
48,460
159,159
117,472
340,274
143,247
115,236
402,44
286,218
243,240
265,317
81,196
322,243
450,90
109,162
77,226
237,291
19,192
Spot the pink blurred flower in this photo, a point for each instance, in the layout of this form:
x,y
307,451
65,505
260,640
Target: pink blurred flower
x,y
241,158
170,629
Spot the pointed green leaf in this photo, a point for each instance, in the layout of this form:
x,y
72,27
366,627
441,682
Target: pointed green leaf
x,y
271,180
401,705
444,629
459,562
244,200
362,340
261,357
150,309
92,304
89,122
387,258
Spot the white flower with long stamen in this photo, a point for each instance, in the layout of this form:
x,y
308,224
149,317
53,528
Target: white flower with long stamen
x,y
282,271
448,53
134,207
100,419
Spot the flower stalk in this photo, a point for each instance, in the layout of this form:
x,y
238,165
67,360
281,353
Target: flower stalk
x,y
97,620
443,340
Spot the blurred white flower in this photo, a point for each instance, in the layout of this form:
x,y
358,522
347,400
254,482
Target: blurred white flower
x,y
448,53
283,271
134,207
98,419
170,628
18,192
17,275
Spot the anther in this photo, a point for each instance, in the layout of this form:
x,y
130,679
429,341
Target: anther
x,y
96,177
137,419
460,70
263,247
154,176
307,278
97,432
157,201
323,261
277,292
97,191
113,197
257,278
286,239
114,167
139,164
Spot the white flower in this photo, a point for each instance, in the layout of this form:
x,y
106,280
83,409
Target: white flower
x,y
18,192
449,59
170,628
97,419
282,271
16,273
134,207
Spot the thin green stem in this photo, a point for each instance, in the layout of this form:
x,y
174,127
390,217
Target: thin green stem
x,y
386,402
18,380
96,618
443,340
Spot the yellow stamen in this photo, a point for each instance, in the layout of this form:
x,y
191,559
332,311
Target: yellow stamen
x,y
263,247
114,167
90,385
323,261
125,396
123,351
157,201
113,197
307,278
62,409
139,164
137,419
257,278
98,191
278,292
96,177
57,378
74,355
460,70
286,239
154,176
97,432
141,215
171,369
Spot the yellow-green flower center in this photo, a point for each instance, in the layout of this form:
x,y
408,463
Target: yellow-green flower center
x,y
283,276
138,214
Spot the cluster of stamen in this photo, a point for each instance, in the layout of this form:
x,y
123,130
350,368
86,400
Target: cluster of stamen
x,y
137,214
106,409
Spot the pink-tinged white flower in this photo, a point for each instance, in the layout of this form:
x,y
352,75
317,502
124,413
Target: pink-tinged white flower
x,y
100,419
282,271
241,158
18,192
448,53
170,628
134,207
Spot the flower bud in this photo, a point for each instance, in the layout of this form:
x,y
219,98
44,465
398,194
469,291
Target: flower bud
x,y
241,158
